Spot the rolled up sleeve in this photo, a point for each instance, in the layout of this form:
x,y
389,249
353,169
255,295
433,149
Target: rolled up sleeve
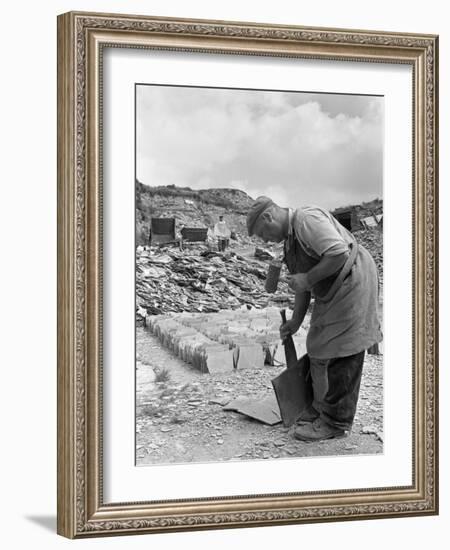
x,y
319,234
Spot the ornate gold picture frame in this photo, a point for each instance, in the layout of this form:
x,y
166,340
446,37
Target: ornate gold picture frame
x,y
82,39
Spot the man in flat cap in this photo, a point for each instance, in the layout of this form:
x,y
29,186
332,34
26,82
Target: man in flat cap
x,y
325,262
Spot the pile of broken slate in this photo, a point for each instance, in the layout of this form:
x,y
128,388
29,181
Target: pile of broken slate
x,y
198,279
202,280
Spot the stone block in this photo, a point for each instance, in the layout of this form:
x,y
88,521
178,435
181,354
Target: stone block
x,y
260,324
300,345
182,340
279,357
237,328
217,359
269,351
227,339
249,355
193,348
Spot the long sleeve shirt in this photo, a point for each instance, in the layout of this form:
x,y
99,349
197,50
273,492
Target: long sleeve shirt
x,y
221,230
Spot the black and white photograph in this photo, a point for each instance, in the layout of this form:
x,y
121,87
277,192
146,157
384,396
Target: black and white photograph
x,y
225,223
259,274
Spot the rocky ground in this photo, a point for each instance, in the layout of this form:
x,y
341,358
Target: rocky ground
x,y
179,411
180,416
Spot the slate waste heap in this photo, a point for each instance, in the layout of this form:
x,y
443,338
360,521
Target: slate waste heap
x,y
201,280
206,281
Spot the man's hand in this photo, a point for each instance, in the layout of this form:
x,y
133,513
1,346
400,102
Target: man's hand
x,y
299,282
290,327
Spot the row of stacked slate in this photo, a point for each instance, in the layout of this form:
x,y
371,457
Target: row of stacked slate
x,y
227,340
191,345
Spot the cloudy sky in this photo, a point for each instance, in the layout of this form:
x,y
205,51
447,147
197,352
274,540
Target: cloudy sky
x,y
298,148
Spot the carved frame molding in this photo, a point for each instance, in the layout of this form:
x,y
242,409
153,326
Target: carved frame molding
x,y
81,37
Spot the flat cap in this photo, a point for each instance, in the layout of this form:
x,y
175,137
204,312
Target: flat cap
x,y
258,207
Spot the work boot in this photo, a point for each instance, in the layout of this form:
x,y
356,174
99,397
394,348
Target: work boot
x,y
318,431
308,415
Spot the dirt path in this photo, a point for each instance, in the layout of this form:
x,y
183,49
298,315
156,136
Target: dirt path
x,y
179,421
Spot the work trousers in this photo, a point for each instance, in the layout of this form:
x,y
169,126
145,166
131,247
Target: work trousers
x,y
336,385
222,244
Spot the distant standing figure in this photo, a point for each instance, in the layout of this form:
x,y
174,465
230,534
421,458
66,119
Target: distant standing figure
x,y
222,232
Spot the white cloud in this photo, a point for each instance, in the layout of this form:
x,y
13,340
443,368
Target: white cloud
x,y
296,148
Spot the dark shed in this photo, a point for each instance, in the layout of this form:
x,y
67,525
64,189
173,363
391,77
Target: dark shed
x,y
194,234
162,230
348,218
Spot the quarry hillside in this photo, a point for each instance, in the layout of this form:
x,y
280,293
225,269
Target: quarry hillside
x,y
193,208
202,208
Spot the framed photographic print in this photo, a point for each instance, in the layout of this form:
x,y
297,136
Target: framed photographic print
x,y
247,283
